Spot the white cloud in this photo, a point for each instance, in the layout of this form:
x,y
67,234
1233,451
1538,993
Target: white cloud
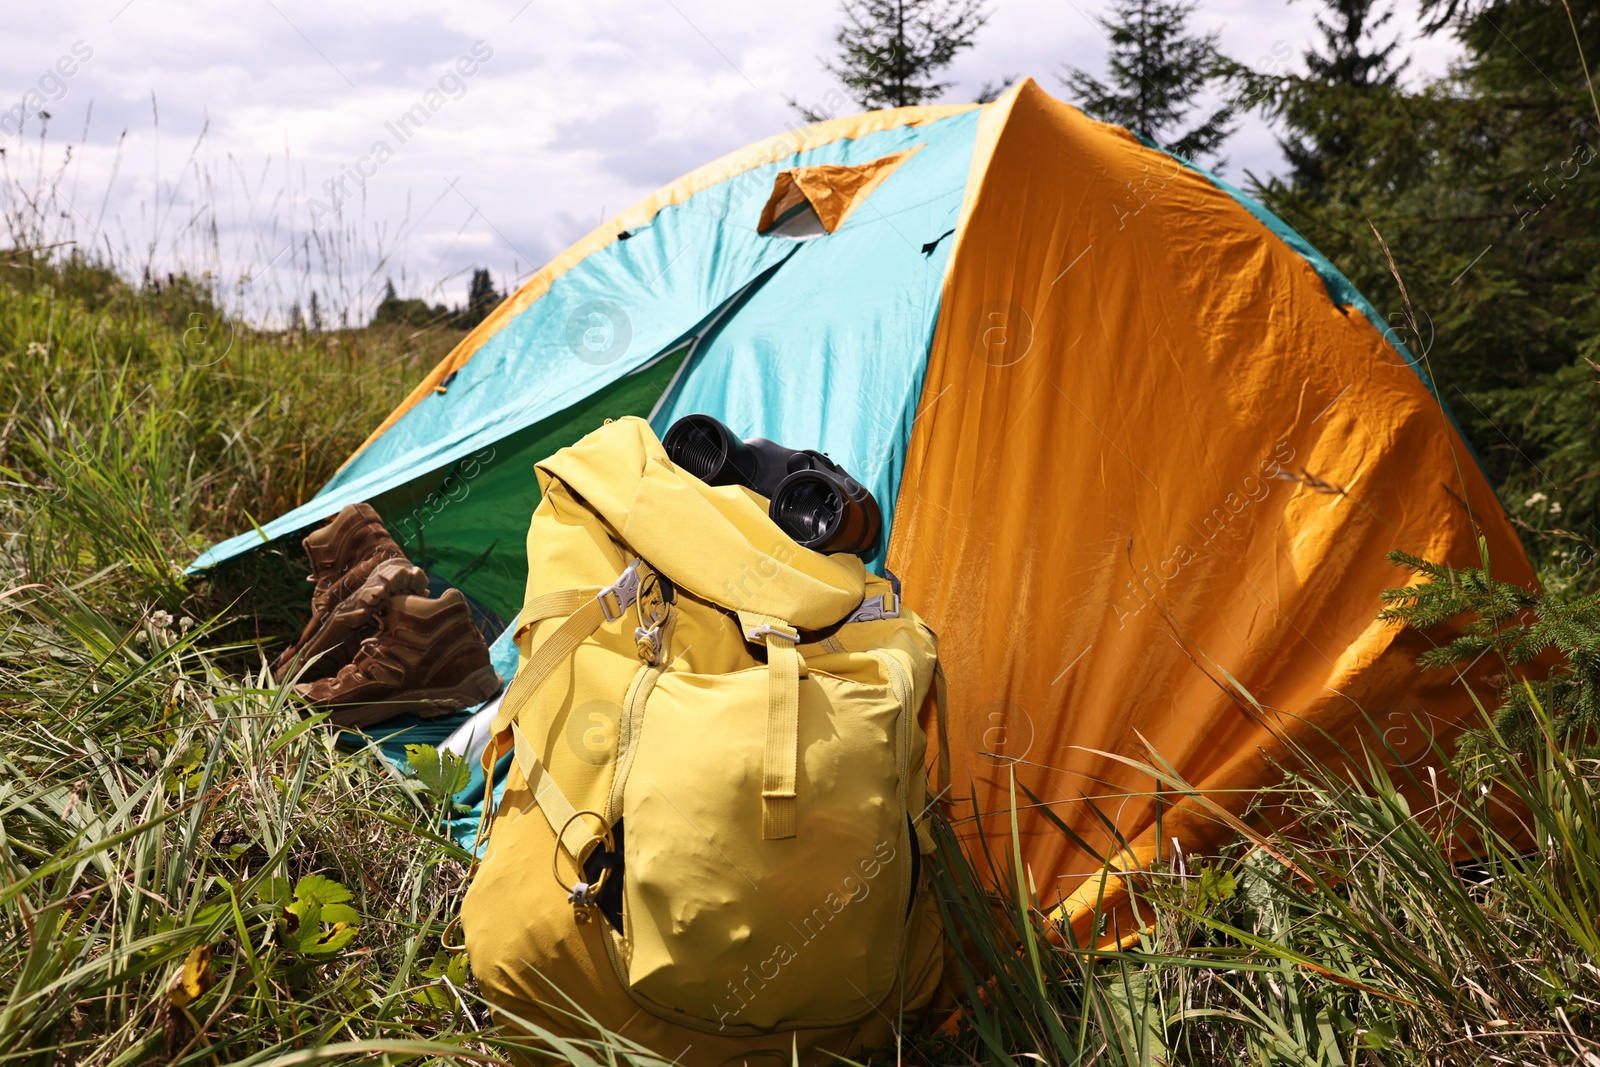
x,y
581,110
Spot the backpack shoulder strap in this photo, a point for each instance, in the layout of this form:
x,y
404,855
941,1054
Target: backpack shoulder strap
x,y
585,609
557,809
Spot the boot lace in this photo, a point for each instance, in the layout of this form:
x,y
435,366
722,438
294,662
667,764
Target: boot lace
x,y
375,650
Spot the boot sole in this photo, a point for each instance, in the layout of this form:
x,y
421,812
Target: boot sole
x,y
476,688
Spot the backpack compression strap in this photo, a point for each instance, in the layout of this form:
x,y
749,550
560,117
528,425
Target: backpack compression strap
x,y
586,611
782,754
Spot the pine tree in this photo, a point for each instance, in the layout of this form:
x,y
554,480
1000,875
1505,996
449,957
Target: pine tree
x,y
1346,61
316,313
1483,186
890,51
481,298
1157,70
1329,109
1557,630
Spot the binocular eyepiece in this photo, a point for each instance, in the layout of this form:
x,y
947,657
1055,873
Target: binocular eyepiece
x,y
810,497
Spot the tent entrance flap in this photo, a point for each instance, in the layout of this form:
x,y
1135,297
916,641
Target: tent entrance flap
x,y
468,523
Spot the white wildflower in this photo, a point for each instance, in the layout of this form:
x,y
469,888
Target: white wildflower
x,y
1537,498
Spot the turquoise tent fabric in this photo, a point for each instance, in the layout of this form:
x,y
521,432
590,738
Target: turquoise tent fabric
x,y
830,352
659,283
441,522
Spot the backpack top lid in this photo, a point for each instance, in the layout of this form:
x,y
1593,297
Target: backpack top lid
x,y
716,542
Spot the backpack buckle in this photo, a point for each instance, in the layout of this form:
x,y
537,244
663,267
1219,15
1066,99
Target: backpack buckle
x,y
583,895
786,633
625,590
876,609
654,597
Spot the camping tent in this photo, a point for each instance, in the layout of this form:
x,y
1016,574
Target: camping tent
x,y
1142,450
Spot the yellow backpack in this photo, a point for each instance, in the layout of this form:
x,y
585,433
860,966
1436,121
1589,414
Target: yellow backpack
x,y
713,827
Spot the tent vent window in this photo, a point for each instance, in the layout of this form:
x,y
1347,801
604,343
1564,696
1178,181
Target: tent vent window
x,y
811,201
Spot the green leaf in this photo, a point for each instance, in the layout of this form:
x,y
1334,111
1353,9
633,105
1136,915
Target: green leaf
x,y
274,891
319,902
441,968
1216,886
436,966
441,774
1379,1035
330,941
314,887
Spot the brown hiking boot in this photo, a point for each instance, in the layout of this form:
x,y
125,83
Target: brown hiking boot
x,y
356,616
426,657
343,554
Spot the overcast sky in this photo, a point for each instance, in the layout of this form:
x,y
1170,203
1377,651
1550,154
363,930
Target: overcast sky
x,y
188,120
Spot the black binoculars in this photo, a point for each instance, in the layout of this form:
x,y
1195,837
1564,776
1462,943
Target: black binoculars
x,y
810,497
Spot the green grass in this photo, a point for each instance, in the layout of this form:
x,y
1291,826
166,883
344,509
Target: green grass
x,y
192,873
1347,927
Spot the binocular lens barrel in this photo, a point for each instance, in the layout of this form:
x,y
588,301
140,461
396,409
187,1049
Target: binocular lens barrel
x,y
807,508
703,446
827,512
810,498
